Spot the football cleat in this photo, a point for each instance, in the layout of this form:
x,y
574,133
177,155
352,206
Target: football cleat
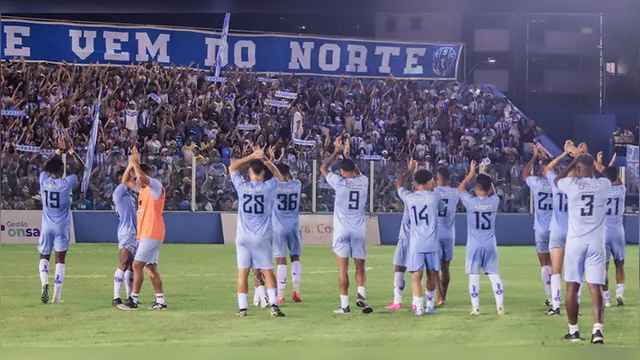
x,y
393,306
547,302
620,301
553,312
276,312
57,301
44,296
362,303
296,297
419,311
607,303
501,311
475,312
342,310
431,311
575,337
264,302
242,312
157,306
129,305
281,300
116,302
597,337
413,307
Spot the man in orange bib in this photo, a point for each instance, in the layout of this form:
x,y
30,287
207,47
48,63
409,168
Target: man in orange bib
x,y
150,233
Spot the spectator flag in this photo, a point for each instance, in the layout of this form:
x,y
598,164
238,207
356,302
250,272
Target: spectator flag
x,y
223,43
92,147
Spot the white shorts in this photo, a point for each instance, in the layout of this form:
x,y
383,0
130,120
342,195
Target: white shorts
x,y
352,245
585,258
287,240
54,238
401,254
255,254
148,251
128,242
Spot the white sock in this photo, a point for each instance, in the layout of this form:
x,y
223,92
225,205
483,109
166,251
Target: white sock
x,y
344,301
118,279
261,292
418,302
361,291
128,282
597,327
296,275
134,297
256,298
243,301
58,281
160,298
620,290
281,277
556,290
43,269
606,295
398,287
431,299
273,298
498,290
474,291
545,272
573,329
580,293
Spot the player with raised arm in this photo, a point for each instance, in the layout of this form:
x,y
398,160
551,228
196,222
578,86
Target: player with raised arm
x,y
482,248
150,231
400,255
543,205
349,228
446,229
125,206
585,246
55,192
424,248
614,231
255,229
286,231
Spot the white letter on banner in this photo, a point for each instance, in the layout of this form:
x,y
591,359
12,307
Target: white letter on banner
x,y
251,54
159,48
386,52
335,57
113,46
87,50
412,66
13,45
300,57
357,58
212,52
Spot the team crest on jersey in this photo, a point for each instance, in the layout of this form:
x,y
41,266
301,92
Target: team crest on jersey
x,y
444,61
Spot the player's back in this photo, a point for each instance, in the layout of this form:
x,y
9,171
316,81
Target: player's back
x,y
481,219
286,212
559,214
542,202
125,206
255,206
56,199
423,209
615,209
587,207
350,203
405,226
447,217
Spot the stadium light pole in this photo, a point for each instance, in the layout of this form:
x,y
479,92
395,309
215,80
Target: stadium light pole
x,y
487,61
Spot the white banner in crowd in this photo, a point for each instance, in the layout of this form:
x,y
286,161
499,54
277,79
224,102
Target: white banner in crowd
x,y
13,113
278,103
216,79
155,97
247,127
286,95
23,227
317,229
267,80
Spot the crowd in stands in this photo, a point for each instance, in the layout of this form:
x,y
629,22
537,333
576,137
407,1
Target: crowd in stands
x,y
177,118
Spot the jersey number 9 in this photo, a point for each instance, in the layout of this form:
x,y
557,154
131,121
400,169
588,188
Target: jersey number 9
x,y
354,200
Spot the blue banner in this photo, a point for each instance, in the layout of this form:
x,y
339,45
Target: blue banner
x,y
264,53
633,169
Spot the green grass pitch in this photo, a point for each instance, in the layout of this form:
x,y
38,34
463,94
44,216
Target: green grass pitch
x,y
200,283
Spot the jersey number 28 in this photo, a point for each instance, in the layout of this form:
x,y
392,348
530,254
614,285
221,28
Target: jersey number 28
x,y
253,204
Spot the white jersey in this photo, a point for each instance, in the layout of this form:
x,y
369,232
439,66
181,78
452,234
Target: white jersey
x,y
349,206
587,207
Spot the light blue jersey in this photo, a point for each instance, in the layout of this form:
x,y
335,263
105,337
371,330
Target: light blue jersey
x,y
255,206
405,225
423,209
286,220
614,228
402,248
482,247
56,212
255,229
349,228
447,217
559,218
286,213
542,202
125,206
585,248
